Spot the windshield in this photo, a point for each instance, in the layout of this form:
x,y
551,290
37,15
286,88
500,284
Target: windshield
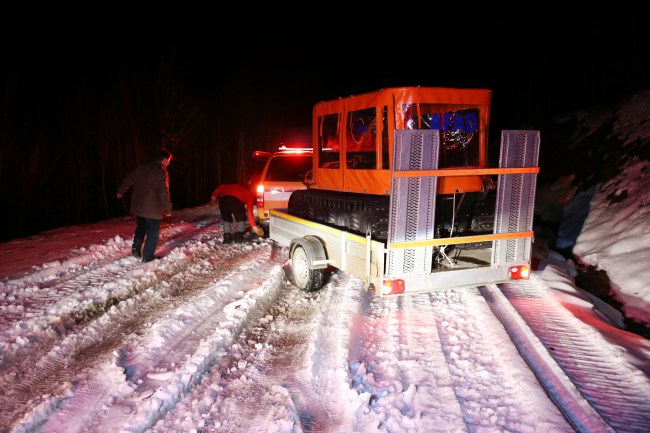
x,y
289,168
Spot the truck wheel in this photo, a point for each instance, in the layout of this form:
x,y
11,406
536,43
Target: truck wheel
x,y
304,277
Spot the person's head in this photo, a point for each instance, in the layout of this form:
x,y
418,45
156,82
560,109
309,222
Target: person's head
x,y
164,156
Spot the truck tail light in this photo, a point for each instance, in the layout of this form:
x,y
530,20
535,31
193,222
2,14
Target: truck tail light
x,y
519,272
259,197
392,287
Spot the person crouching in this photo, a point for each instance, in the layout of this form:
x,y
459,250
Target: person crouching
x,y
235,204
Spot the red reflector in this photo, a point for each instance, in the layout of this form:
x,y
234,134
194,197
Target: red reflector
x,y
519,272
392,287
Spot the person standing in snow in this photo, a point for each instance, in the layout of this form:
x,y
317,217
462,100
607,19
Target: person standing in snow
x,y
236,202
150,201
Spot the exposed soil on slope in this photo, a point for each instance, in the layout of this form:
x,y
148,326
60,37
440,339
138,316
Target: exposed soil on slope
x,y
597,283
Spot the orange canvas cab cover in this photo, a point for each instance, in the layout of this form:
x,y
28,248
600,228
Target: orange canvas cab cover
x,y
354,136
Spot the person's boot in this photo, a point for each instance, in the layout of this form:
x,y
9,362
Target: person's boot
x,y
239,237
227,238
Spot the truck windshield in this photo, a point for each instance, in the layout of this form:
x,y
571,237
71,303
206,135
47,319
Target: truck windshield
x,y
289,168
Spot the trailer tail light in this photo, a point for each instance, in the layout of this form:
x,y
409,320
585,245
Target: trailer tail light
x,y
392,287
519,272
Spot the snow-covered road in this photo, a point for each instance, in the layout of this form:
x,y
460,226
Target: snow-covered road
x,y
212,338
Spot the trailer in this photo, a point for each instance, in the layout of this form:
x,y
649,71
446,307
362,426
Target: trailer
x,y
432,239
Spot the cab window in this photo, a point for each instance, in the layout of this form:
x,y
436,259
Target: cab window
x,y
459,131
328,141
361,139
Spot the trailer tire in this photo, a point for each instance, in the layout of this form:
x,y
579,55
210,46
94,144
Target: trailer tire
x,y
304,277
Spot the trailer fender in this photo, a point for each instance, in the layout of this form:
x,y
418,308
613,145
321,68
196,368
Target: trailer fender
x,y
308,262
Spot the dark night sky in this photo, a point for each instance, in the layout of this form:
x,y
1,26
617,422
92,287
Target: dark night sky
x,y
539,58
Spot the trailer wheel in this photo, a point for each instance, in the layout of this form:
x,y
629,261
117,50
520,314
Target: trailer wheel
x,y
304,277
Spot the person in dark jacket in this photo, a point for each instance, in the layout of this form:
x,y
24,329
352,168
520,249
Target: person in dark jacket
x,y
236,202
150,201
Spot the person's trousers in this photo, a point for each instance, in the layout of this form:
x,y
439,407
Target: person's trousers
x,y
230,207
147,230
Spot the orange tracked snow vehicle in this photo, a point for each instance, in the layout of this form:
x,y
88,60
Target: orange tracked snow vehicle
x,y
401,193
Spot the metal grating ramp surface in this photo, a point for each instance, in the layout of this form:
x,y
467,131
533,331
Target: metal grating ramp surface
x,y
515,195
412,203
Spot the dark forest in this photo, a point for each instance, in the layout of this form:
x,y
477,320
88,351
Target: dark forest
x,y
78,115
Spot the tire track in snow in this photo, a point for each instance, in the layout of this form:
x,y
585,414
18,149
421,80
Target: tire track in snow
x,y
81,296
584,355
403,328
79,354
280,373
484,373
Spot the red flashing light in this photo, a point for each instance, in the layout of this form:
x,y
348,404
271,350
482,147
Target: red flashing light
x,y
519,272
297,150
392,287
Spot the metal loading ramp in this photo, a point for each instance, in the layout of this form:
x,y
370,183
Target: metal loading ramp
x,y
515,196
413,201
